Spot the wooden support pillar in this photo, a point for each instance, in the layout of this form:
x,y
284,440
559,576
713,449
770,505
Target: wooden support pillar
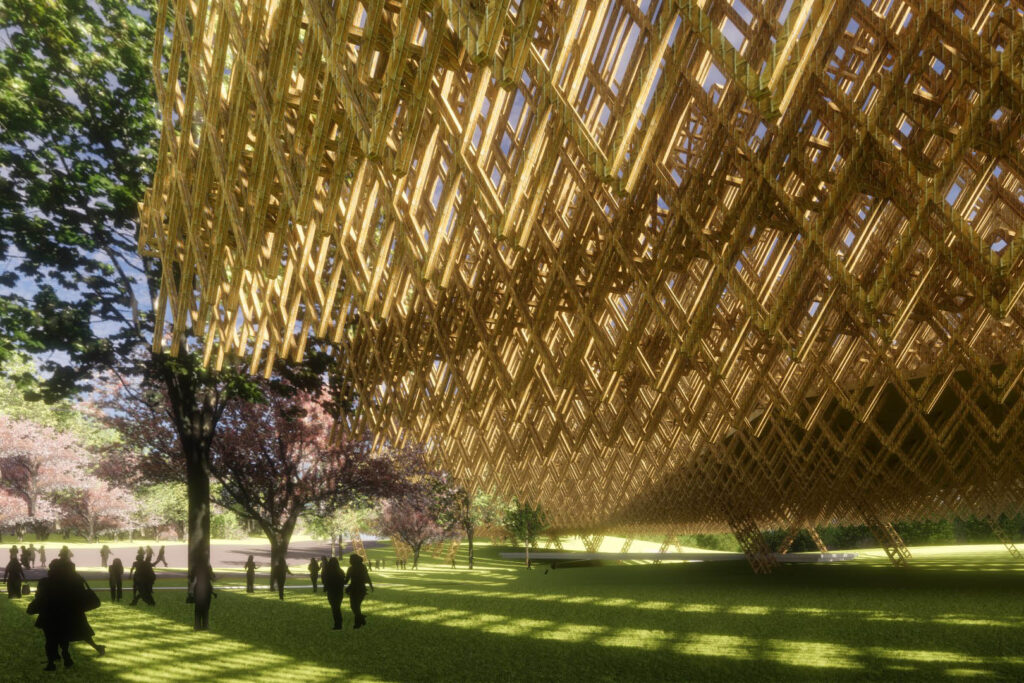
x,y
591,542
453,549
553,540
357,545
669,539
1004,538
818,543
787,542
626,546
759,555
889,540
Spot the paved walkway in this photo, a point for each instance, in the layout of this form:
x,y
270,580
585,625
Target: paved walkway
x,y
231,556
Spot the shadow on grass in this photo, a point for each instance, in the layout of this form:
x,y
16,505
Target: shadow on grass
x,y
667,622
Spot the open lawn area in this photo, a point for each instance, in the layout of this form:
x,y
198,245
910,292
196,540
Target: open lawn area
x,y
957,612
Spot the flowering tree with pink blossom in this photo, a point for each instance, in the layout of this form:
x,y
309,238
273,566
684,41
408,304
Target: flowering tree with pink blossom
x,y
36,462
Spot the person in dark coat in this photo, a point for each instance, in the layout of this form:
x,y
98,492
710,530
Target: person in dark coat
x,y
31,555
58,604
42,556
358,578
160,556
334,587
24,557
145,577
250,575
278,574
149,554
314,571
116,571
140,558
14,574
104,554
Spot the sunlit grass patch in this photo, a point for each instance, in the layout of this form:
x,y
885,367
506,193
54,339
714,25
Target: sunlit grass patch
x,y
856,621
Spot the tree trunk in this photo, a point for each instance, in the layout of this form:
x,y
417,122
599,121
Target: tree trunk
x,y
197,473
334,545
416,555
527,554
469,537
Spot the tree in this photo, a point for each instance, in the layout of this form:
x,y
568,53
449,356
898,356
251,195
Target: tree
x,y
475,510
325,519
92,505
165,503
425,508
525,523
77,147
276,458
36,462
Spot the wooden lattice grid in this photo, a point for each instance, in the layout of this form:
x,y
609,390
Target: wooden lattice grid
x,y
656,265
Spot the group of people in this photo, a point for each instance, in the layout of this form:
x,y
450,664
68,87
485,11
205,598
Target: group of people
x,y
28,555
63,597
145,553
335,580
328,572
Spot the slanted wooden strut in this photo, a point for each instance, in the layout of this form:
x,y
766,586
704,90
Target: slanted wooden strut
x,y
357,545
759,555
818,543
787,541
890,541
1004,538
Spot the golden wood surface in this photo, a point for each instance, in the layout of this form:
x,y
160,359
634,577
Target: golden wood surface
x,y
685,265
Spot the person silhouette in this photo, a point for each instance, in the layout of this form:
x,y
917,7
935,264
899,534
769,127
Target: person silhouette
x,y
24,557
357,580
14,574
42,556
145,577
104,554
140,558
334,587
149,554
160,556
278,573
314,571
60,606
190,598
116,572
250,574
31,555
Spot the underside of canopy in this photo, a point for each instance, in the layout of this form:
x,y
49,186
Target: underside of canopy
x,y
651,264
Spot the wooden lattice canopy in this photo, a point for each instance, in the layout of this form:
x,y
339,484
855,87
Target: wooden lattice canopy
x,y
650,263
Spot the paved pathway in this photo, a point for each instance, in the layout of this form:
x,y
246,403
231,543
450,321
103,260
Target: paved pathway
x,y
231,556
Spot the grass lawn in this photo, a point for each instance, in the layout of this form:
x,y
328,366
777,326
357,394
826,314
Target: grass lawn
x,y
957,612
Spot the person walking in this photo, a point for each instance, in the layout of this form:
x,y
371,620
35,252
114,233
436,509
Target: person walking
x,y
42,557
357,580
104,554
314,571
334,587
160,556
14,574
278,573
149,554
61,601
24,557
31,555
116,572
140,558
250,575
145,577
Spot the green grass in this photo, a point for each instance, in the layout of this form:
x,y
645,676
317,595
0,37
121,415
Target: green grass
x,y
957,612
